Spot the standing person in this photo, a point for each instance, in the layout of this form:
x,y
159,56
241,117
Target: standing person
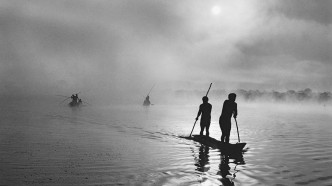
x,y
76,97
73,98
229,108
147,101
205,109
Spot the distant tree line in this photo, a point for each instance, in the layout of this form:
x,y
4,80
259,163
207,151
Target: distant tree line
x,y
262,95
290,95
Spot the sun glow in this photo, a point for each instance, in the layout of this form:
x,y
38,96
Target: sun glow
x,y
215,10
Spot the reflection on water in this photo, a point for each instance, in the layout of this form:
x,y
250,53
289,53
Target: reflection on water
x,y
227,175
139,146
224,171
202,161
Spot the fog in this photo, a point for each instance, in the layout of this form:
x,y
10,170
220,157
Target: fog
x,y
115,51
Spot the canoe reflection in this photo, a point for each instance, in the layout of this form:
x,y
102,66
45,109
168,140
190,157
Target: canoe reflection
x,y
227,174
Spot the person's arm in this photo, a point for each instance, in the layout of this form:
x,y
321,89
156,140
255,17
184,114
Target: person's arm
x,y
235,111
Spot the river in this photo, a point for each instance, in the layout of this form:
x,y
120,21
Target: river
x,y
135,145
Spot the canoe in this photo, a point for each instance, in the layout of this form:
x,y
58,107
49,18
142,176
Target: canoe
x,y
215,144
146,103
74,104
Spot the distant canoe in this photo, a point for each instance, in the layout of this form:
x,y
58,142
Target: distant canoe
x,y
146,103
74,104
213,143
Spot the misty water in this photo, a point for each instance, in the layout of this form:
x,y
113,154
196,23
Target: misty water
x,y
52,144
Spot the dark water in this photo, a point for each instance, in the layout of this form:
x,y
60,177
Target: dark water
x,y
133,145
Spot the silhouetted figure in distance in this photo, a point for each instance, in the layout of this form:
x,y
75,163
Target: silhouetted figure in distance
x,y
229,108
205,109
74,98
147,101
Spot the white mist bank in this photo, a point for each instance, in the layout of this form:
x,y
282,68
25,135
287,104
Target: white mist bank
x,y
156,99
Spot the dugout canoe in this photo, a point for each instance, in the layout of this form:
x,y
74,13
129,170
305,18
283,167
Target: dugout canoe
x,y
215,144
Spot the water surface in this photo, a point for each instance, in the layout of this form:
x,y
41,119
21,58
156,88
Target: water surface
x,y
134,145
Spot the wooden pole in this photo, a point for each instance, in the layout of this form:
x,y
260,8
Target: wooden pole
x,y
196,120
238,135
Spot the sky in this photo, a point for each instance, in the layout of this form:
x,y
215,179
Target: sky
x,y
118,49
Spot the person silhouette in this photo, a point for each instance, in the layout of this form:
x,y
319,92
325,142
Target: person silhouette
x,y
74,98
147,101
80,101
229,108
205,109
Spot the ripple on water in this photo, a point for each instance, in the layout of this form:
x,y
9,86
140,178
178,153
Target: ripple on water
x,y
124,147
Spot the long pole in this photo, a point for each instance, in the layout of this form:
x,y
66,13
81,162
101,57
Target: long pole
x,y
64,100
151,89
208,90
238,135
193,128
196,119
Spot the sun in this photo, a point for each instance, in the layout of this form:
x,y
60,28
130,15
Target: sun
x,y
215,10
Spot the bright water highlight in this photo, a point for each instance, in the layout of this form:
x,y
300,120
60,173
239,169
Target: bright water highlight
x,y
134,145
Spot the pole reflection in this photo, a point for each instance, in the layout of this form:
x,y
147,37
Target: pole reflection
x,y
226,173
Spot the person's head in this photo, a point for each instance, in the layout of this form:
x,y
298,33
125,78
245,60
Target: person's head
x,y
147,97
232,96
205,99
